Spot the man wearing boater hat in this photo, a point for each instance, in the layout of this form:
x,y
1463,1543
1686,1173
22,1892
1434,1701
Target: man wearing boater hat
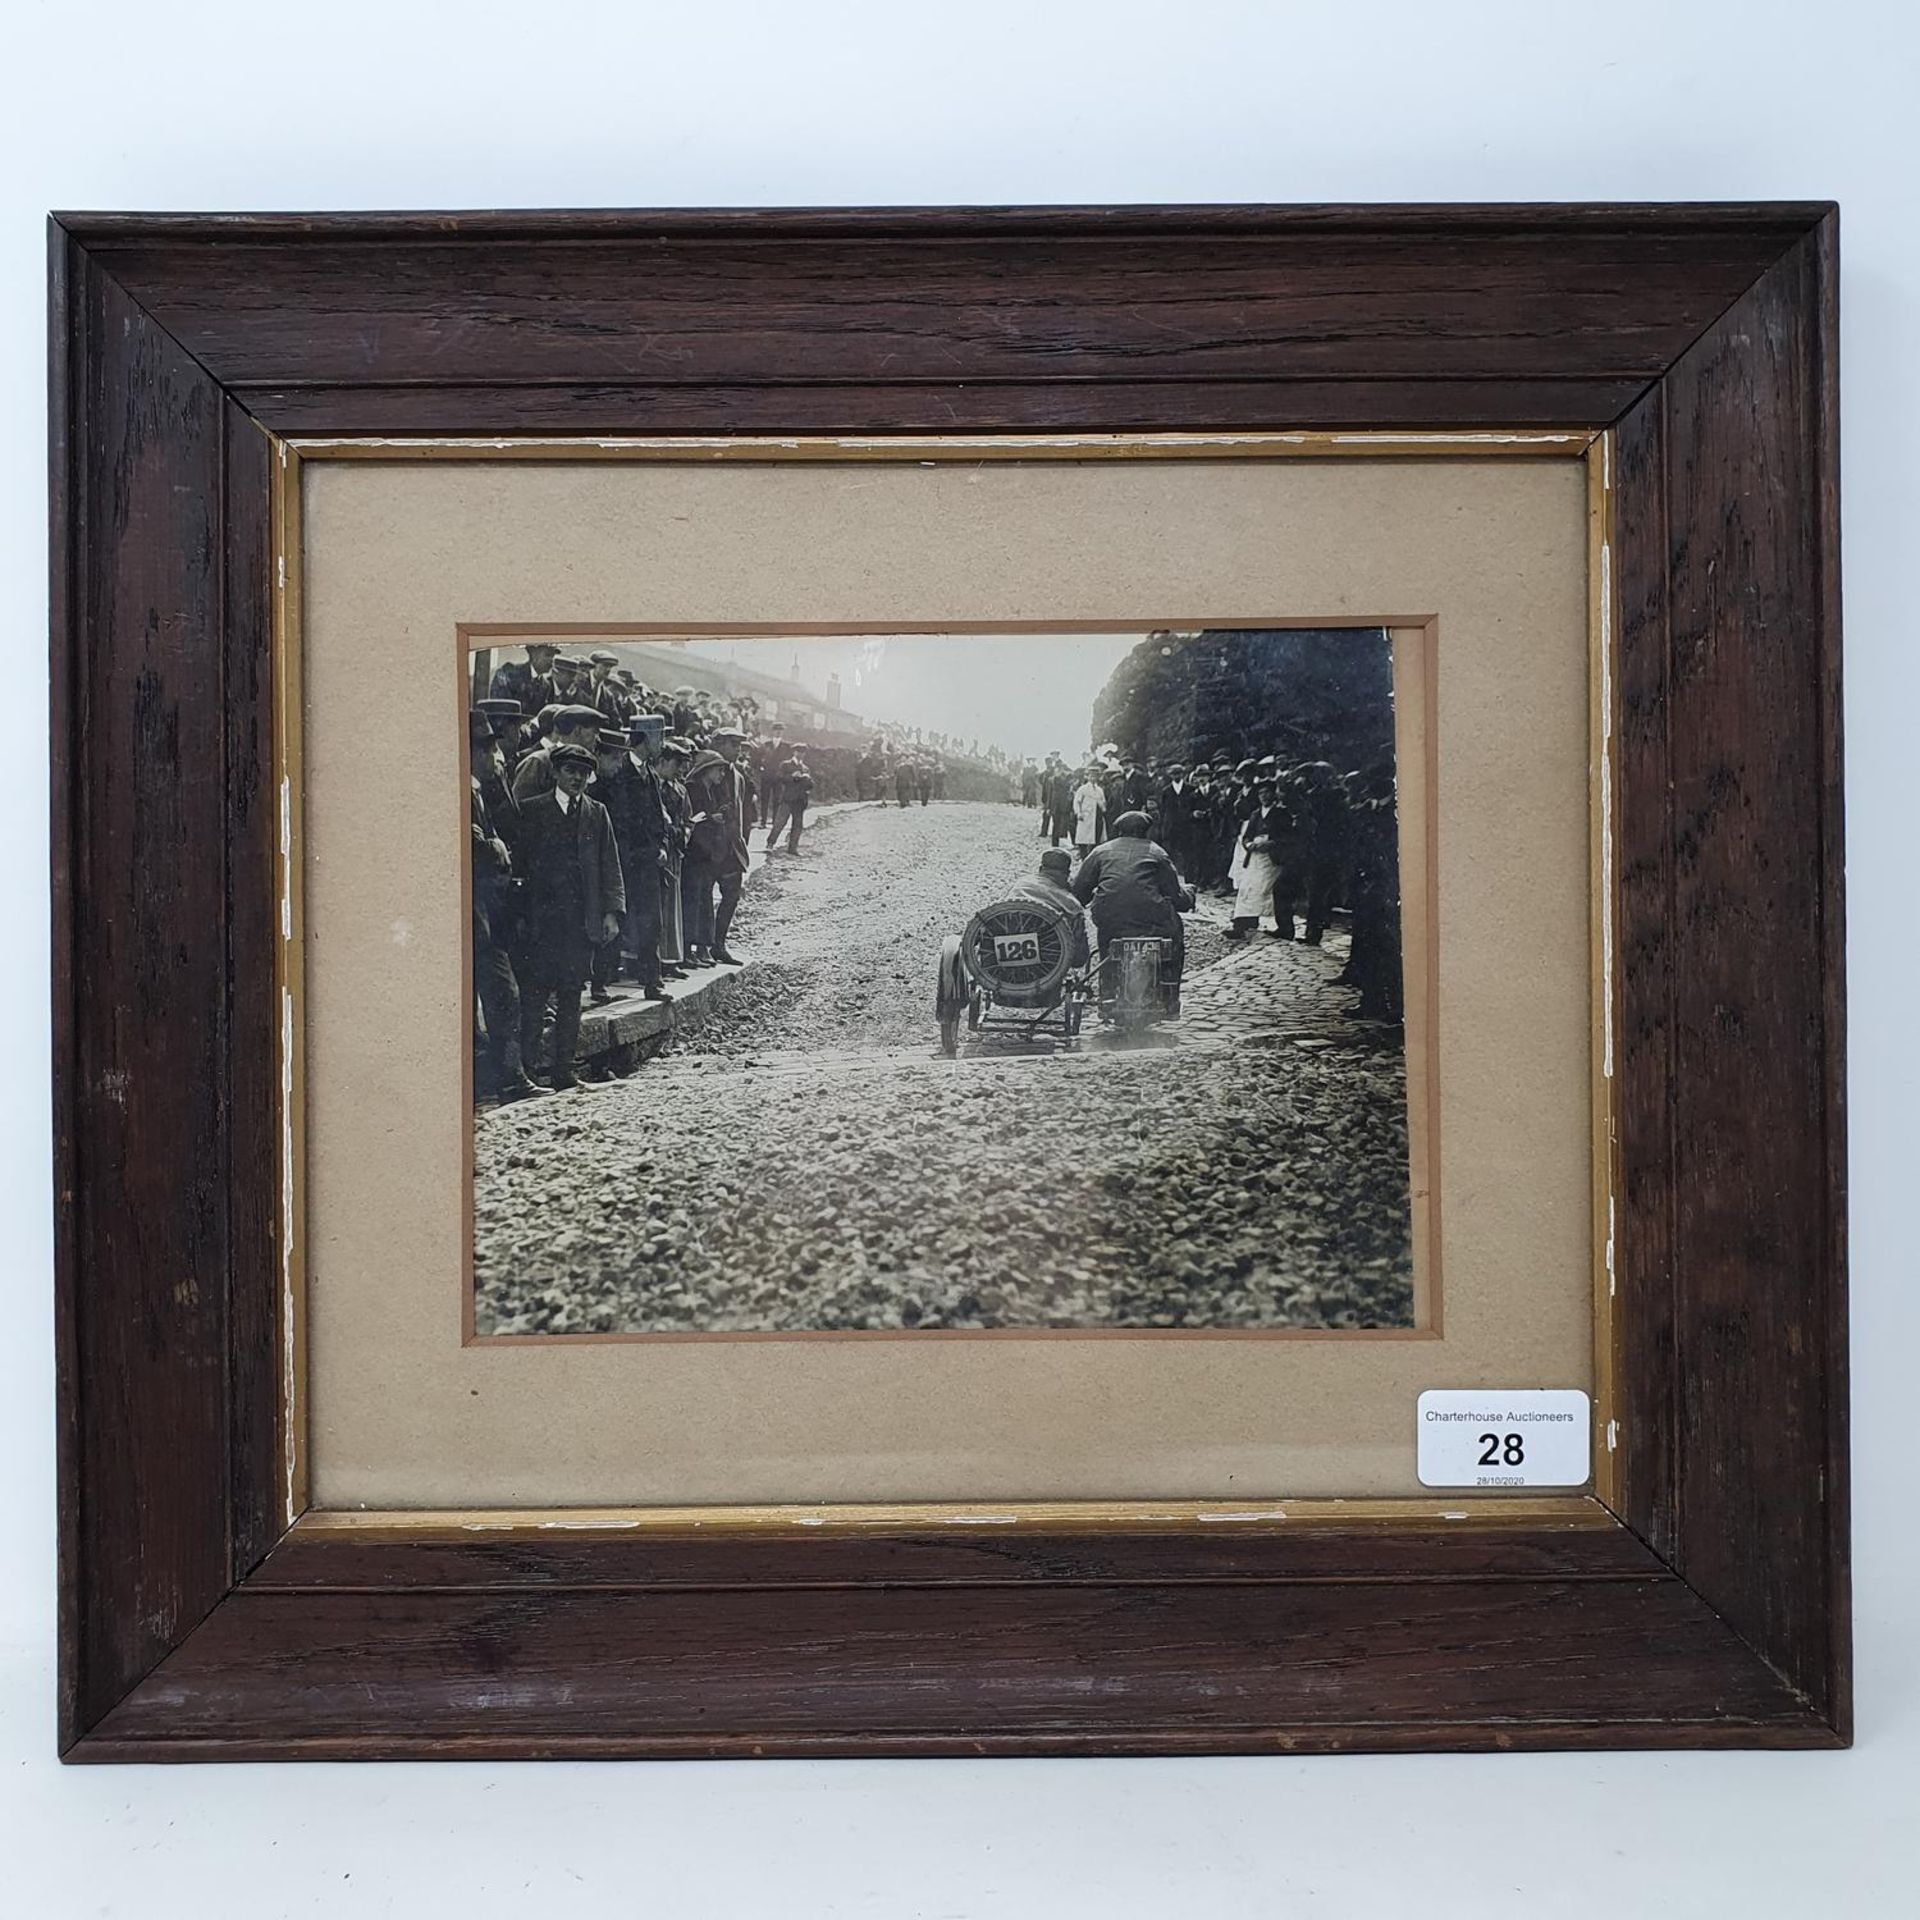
x,y
508,725
574,900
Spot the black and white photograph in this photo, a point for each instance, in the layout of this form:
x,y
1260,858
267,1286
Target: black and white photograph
x,y
965,981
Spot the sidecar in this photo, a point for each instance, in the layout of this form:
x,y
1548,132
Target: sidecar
x,y
1011,970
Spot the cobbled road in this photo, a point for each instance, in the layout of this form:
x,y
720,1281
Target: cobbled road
x,y
807,1159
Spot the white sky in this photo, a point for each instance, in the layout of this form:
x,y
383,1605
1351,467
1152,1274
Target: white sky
x,y
1027,693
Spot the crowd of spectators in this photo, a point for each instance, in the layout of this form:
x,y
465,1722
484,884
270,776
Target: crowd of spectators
x,y
1288,844
610,826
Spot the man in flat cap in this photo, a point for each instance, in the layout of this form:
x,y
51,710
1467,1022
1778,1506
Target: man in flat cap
x,y
528,683
675,755
1200,804
793,788
495,985
721,797
768,760
569,726
1181,812
627,786
604,692
1056,801
1052,887
575,897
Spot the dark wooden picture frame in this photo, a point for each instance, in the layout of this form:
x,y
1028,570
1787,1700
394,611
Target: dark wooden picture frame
x,y
1698,1598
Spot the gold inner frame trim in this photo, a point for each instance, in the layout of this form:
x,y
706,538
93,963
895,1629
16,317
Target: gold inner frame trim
x,y
1575,1512
1538,442
1474,1510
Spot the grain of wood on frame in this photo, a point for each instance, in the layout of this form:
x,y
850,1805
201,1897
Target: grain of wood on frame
x,y
1706,335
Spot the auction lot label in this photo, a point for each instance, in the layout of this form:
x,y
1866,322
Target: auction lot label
x,y
1504,1437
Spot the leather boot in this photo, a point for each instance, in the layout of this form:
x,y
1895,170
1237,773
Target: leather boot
x,y
566,1037
514,1084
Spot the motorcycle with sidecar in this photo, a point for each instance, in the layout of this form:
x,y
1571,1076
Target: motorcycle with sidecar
x,y
1012,970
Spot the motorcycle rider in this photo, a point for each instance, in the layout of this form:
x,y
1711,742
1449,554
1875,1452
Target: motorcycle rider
x,y
1132,887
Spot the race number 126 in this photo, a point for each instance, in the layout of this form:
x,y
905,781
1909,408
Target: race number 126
x,y
1501,1438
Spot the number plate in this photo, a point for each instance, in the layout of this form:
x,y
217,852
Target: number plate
x,y
1011,949
1498,1438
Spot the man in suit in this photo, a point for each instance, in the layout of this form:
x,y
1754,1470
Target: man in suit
x,y
1373,836
495,985
510,727
604,693
496,752
1056,801
528,683
1324,797
574,899
792,791
675,756
1178,806
721,797
626,784
1201,805
768,761
1290,837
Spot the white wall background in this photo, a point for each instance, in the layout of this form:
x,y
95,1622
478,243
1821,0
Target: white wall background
x,y
204,104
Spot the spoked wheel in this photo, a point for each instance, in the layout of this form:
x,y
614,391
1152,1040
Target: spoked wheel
x,y
950,1034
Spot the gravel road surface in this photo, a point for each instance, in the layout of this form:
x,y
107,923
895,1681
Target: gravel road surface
x,y
806,1159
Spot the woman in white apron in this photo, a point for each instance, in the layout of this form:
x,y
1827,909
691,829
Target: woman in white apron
x,y
1089,813
1252,871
